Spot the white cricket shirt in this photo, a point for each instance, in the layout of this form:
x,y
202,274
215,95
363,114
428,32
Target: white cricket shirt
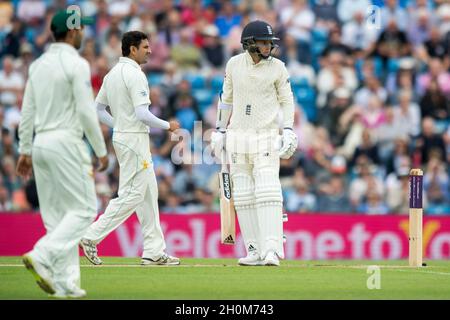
x,y
58,97
257,92
124,88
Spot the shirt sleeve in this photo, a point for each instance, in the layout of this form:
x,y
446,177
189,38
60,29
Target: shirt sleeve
x,y
84,104
26,125
285,98
227,89
104,116
149,119
139,90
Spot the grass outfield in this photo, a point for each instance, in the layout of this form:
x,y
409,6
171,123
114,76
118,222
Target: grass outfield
x,y
124,278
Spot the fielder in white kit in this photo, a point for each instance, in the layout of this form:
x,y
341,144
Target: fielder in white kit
x,y
256,87
125,90
59,107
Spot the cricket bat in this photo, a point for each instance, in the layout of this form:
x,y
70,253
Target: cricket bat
x,y
227,211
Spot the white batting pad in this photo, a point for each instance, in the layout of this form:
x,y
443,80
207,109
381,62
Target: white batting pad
x,y
244,203
269,204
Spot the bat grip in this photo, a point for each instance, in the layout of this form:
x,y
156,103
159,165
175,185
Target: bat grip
x,y
223,159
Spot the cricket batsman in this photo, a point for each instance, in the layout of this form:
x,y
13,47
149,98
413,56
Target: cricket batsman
x,y
256,87
125,90
59,107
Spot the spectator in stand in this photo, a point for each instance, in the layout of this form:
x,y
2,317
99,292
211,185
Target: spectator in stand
x,y
299,199
5,200
443,13
212,49
435,104
227,18
368,148
392,43
298,20
10,179
113,48
11,42
446,138
434,47
336,44
326,13
367,181
348,8
186,55
25,59
429,141
318,165
373,203
170,27
304,130
397,190
372,87
171,78
436,185
419,29
295,68
334,75
11,84
387,134
329,116
356,34
436,72
392,11
160,54
183,106
407,113
8,147
403,79
373,115
333,197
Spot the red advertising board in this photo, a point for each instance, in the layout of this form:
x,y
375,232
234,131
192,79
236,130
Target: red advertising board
x,y
315,236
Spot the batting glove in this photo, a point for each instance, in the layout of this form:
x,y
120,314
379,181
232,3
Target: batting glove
x,y
289,144
218,141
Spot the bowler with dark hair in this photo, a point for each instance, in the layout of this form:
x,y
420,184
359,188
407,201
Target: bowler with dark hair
x,y
125,90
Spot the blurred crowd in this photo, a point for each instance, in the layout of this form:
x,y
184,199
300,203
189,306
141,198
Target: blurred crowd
x,y
371,86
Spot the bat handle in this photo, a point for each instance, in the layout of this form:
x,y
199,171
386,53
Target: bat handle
x,y
223,159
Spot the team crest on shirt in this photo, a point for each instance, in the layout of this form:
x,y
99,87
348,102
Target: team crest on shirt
x,y
145,164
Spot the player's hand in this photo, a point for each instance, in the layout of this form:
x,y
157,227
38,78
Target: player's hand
x,y
103,163
174,125
24,166
289,144
218,142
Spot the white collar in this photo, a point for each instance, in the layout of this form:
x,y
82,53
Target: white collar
x,y
129,61
250,59
63,46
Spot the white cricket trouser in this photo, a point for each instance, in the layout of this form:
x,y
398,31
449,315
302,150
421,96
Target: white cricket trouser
x,y
257,191
138,192
66,191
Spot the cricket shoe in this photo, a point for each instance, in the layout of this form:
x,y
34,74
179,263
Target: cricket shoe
x,y
41,273
271,259
75,293
252,259
164,260
90,251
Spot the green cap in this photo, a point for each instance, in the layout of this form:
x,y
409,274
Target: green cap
x,y
66,20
